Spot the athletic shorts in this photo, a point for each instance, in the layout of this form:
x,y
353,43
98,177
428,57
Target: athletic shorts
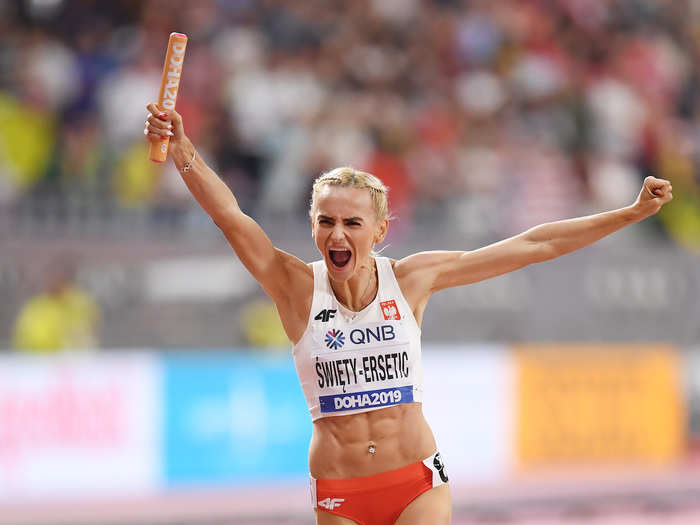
x,y
378,499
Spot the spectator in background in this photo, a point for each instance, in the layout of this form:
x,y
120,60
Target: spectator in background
x,y
389,165
277,90
62,317
27,138
674,160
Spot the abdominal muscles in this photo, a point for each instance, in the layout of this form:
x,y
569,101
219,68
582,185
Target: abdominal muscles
x,y
340,445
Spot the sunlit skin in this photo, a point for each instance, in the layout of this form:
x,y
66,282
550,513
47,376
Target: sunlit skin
x,y
344,219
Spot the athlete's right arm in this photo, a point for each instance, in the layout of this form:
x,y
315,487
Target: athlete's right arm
x,y
277,271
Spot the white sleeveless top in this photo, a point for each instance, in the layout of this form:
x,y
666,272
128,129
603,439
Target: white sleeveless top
x,y
351,362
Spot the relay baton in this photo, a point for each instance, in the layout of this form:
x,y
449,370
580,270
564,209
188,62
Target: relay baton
x,y
169,84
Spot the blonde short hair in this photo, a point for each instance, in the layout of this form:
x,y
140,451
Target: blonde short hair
x,y
347,177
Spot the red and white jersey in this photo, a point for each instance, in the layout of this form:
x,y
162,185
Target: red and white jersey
x,y
351,362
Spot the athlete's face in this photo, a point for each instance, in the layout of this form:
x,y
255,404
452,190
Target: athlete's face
x,y
345,229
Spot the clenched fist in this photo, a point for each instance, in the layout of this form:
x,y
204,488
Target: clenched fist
x,y
654,194
161,124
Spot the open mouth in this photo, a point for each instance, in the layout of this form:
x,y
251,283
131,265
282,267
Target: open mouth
x,y
340,258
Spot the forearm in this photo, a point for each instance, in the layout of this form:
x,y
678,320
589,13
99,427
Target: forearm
x,y
566,236
213,195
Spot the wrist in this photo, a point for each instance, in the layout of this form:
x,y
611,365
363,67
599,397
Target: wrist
x,y
181,152
176,146
635,212
187,166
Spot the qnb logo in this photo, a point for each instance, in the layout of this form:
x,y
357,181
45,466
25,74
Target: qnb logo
x,y
331,503
379,334
335,339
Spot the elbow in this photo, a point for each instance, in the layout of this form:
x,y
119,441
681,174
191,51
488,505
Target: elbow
x,y
226,218
545,251
541,247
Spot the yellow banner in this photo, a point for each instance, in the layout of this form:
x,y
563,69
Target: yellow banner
x,y
598,405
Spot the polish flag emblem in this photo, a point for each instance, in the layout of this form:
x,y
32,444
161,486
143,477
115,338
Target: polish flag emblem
x,y
390,311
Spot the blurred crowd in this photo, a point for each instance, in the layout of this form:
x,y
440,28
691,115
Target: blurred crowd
x,y
484,117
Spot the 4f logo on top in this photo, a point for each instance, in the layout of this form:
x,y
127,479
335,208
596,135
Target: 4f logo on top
x,y
390,311
335,339
325,315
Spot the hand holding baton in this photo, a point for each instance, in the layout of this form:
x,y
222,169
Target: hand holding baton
x,y
169,84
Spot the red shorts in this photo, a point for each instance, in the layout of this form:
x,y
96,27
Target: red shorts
x,y
378,499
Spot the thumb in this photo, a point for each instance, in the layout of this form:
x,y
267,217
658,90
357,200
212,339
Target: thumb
x,y
171,116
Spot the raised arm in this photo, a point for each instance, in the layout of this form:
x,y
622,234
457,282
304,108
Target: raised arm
x,y
280,273
424,273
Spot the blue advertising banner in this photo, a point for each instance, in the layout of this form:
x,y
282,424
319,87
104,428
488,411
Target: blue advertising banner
x,y
233,417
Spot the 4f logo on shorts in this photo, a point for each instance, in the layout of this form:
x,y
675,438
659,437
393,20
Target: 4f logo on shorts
x,y
335,339
331,503
390,310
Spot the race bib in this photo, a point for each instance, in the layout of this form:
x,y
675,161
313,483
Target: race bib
x,y
368,366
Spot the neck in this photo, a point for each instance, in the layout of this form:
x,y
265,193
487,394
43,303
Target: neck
x,y
358,291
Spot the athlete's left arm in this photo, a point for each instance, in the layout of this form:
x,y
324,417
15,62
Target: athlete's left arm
x,y
424,273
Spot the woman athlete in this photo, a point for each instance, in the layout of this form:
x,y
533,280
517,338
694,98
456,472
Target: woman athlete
x,y
354,320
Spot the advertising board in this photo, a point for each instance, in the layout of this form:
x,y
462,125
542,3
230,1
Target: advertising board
x,y
79,425
233,417
599,405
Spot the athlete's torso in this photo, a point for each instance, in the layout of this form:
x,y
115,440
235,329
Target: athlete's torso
x,y
364,386
353,362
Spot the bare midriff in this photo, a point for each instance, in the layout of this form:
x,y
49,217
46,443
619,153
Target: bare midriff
x,y
370,443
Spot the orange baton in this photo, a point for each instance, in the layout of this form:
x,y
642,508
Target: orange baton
x,y
169,84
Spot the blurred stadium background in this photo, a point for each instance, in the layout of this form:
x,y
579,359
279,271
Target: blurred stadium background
x,y
145,377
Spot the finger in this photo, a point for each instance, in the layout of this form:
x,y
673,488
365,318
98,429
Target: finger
x,y
664,189
158,123
153,137
156,112
153,108
664,193
160,119
650,191
657,187
157,130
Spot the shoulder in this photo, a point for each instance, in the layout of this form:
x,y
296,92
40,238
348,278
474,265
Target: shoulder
x,y
416,276
423,265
